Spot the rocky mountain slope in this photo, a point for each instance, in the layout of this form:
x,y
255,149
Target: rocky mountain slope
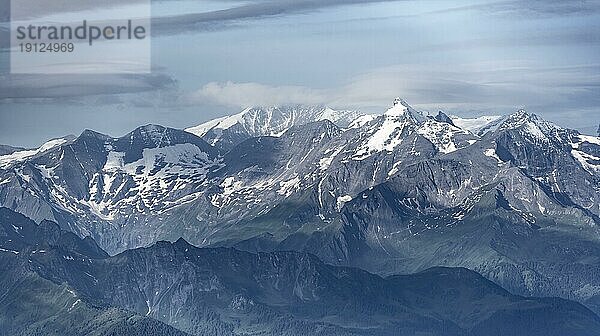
x,y
79,290
31,304
515,198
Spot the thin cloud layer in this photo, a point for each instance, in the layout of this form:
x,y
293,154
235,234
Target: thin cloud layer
x,y
241,95
530,8
258,9
23,87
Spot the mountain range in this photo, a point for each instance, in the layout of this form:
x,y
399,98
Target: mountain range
x,y
514,198
56,283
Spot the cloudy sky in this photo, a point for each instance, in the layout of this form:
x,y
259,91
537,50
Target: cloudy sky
x,y
212,58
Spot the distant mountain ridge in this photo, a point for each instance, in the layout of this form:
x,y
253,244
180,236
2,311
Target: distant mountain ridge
x,y
34,304
5,149
178,289
229,131
517,199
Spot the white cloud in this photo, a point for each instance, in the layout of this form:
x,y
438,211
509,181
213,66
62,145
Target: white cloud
x,y
254,94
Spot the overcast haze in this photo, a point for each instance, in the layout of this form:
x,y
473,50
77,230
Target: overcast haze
x,y
212,58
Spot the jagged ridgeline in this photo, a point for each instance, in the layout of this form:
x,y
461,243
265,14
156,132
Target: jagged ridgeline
x,y
55,283
515,198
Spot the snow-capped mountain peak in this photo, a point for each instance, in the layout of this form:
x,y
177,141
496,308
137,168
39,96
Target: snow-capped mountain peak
x,y
518,119
19,156
400,122
270,121
218,123
389,130
532,126
400,108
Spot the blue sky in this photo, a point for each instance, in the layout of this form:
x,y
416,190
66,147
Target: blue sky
x,y
212,58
